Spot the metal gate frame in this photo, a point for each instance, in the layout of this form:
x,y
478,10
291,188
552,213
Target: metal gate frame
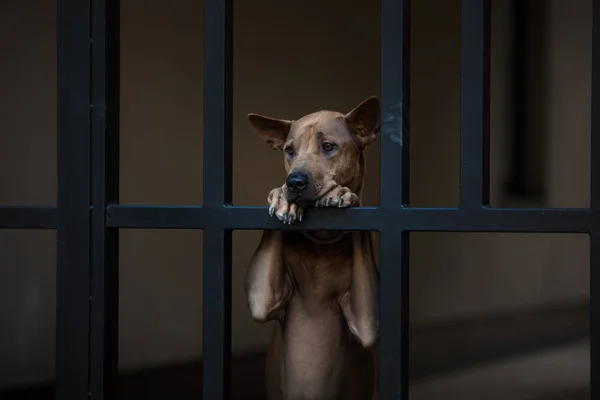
x,y
88,216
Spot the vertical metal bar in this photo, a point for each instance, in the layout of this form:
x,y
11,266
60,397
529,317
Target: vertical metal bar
x,y
217,315
395,102
595,123
73,275
474,104
393,325
395,185
515,183
218,72
104,284
595,208
595,313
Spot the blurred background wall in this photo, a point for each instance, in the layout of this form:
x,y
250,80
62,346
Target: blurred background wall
x,y
288,62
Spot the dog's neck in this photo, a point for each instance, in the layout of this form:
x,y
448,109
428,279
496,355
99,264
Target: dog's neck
x,y
330,237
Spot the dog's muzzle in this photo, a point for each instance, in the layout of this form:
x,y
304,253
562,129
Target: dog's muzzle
x,y
296,182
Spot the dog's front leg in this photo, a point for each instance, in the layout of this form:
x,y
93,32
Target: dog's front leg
x,y
268,285
360,303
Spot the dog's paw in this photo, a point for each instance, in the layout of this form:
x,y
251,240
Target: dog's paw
x,y
340,196
285,211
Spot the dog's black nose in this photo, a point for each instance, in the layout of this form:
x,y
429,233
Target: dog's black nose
x,y
296,182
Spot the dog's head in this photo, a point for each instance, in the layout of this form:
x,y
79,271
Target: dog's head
x,y
322,149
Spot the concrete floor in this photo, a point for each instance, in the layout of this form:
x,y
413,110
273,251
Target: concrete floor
x,y
558,374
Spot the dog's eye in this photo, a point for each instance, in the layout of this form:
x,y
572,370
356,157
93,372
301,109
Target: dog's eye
x,y
289,150
328,146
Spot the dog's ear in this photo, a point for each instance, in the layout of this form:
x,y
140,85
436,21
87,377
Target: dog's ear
x,y
271,130
366,121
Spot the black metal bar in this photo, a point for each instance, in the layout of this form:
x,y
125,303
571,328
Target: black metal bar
x,y
393,324
395,185
516,182
104,284
73,275
595,114
527,138
151,217
14,217
532,220
395,103
595,306
218,73
217,315
474,104
595,208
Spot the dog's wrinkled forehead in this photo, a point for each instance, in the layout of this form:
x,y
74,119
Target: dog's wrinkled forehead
x,y
326,124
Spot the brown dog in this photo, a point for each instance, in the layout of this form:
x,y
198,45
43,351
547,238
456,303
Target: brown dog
x,y
321,287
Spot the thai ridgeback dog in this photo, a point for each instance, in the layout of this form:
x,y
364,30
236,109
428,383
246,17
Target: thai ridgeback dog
x,y
322,287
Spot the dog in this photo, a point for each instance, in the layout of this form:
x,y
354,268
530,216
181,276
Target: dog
x,y
322,287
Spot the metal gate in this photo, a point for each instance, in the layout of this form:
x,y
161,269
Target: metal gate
x,y
89,215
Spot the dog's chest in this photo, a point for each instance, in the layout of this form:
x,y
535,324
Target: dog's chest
x,y
314,351
319,270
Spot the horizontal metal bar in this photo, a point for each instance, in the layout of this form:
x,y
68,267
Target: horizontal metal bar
x,y
28,217
159,217
551,220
